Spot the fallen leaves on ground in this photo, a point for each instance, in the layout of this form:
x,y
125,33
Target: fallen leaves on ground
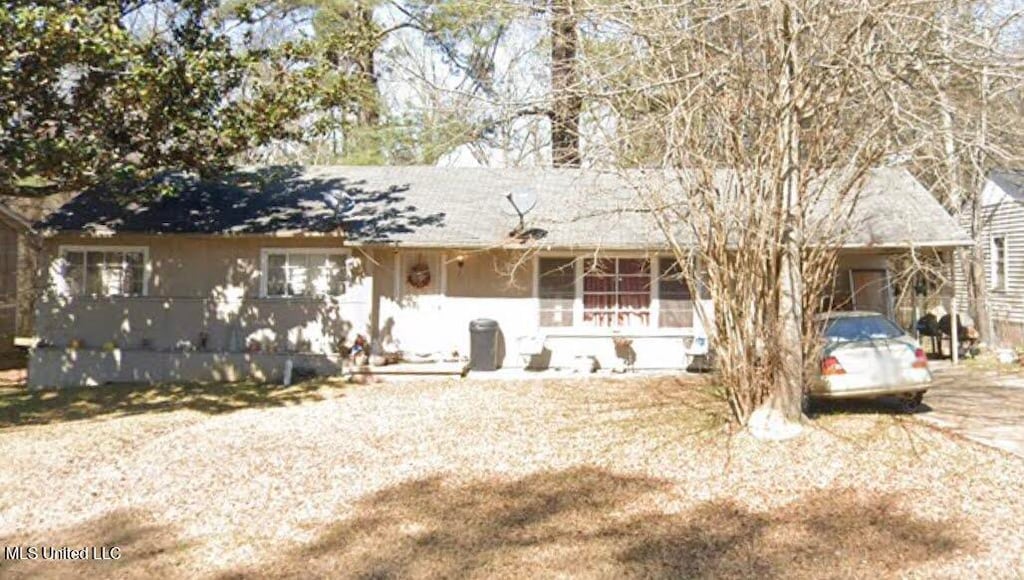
x,y
582,477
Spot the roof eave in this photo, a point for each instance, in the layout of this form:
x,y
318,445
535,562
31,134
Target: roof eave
x,y
15,220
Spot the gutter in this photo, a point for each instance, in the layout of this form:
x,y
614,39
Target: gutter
x,y
502,244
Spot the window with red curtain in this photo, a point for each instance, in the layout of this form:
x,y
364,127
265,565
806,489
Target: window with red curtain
x,y
617,292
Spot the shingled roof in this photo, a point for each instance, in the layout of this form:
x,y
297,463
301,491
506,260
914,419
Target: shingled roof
x,y
433,207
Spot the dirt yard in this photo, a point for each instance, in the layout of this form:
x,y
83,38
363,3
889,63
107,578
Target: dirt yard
x,y
601,478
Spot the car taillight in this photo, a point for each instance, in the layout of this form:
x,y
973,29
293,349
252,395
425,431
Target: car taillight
x,y
830,366
920,359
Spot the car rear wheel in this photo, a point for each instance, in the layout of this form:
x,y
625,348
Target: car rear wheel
x,y
911,402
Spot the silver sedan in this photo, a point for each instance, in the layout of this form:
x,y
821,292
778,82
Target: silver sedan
x,y
867,355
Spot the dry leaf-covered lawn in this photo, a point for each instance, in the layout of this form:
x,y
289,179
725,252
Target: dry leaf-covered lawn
x,y
592,478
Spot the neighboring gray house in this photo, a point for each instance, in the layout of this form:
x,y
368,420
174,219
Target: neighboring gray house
x,y
1002,237
18,268
13,229
228,279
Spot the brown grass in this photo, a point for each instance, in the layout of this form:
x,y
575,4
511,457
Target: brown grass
x,y
591,478
20,406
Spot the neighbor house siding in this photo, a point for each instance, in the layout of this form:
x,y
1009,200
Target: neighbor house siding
x,y
8,286
1002,219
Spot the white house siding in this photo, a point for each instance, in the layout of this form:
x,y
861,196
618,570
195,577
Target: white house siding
x,y
211,285
197,285
1003,218
436,319
500,286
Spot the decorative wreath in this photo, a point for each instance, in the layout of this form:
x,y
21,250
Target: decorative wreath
x,y
419,276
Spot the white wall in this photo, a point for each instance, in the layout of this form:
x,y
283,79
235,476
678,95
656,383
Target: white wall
x,y
499,285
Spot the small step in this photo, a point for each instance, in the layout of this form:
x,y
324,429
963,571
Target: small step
x,y
459,369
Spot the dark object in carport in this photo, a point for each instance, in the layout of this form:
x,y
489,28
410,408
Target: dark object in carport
x,y
928,325
483,345
947,328
967,336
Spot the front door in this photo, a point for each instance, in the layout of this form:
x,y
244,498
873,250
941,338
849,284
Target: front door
x,y
870,289
420,327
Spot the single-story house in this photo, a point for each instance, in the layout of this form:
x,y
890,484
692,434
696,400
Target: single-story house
x,y
1002,239
228,279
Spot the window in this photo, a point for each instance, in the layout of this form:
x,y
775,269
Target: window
x,y
674,300
101,271
556,289
303,273
999,263
616,292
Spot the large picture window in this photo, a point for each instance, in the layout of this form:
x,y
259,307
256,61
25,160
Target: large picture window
x,y
616,292
620,292
303,273
101,271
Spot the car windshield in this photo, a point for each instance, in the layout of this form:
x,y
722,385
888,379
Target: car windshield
x,y
861,328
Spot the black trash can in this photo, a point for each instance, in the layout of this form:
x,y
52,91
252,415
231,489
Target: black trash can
x,y
483,345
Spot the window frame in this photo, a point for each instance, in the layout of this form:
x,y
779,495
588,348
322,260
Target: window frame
x,y
579,328
617,292
265,254
693,299
998,277
58,268
577,306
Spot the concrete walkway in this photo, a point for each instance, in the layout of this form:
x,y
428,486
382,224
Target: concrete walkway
x,y
985,406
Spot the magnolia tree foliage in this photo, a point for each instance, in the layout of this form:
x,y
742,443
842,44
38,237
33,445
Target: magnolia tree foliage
x,y
98,90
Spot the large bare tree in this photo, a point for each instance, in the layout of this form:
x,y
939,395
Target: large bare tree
x,y
969,120
765,117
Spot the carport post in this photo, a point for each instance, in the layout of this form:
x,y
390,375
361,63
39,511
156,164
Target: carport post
x,y
954,319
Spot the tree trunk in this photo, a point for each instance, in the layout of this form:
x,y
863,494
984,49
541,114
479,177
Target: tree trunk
x,y
954,196
789,390
979,280
369,111
566,102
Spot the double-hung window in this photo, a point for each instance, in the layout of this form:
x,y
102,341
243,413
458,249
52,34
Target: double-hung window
x,y
556,290
101,271
616,292
675,303
303,273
